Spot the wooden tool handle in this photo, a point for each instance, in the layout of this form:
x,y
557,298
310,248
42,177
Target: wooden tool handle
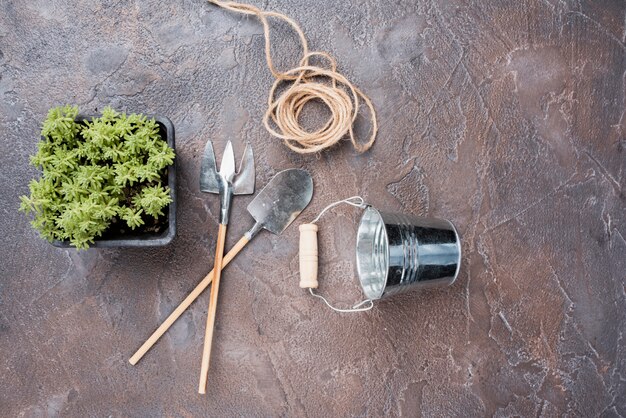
x,y
208,335
308,256
185,303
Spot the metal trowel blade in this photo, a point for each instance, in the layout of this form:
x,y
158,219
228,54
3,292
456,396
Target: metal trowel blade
x,y
282,200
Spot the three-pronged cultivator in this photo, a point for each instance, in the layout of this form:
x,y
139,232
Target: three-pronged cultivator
x,y
226,182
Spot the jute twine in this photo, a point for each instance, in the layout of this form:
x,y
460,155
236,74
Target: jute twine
x,y
282,118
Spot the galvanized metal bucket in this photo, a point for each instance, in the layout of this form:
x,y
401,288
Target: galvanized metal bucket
x,y
397,252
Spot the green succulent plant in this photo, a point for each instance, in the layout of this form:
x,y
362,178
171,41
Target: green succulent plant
x,y
96,172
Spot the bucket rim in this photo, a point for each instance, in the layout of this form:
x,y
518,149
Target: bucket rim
x,y
458,243
369,210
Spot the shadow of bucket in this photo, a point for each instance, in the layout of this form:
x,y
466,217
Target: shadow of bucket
x,y
397,252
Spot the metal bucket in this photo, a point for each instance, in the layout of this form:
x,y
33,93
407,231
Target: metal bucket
x,y
396,252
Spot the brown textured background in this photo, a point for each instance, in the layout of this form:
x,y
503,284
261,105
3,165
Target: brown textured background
x,y
505,117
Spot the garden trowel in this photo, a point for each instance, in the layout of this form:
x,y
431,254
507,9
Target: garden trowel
x,y
274,208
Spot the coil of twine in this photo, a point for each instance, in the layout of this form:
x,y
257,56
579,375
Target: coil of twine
x,y
339,95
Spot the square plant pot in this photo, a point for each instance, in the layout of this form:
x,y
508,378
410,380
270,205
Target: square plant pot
x,y
129,239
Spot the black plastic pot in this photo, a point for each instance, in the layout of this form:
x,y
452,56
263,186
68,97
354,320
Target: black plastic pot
x,y
166,129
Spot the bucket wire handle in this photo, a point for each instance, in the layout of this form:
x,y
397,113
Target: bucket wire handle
x,y
356,201
308,256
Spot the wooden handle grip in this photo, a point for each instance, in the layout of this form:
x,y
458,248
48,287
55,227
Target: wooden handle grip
x,y
185,303
308,256
210,323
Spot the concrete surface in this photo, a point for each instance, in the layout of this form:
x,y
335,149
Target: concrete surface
x,y
505,117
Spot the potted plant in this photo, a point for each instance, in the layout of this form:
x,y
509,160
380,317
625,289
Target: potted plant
x,y
107,181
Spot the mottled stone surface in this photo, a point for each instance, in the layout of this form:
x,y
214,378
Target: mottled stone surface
x,y
505,117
